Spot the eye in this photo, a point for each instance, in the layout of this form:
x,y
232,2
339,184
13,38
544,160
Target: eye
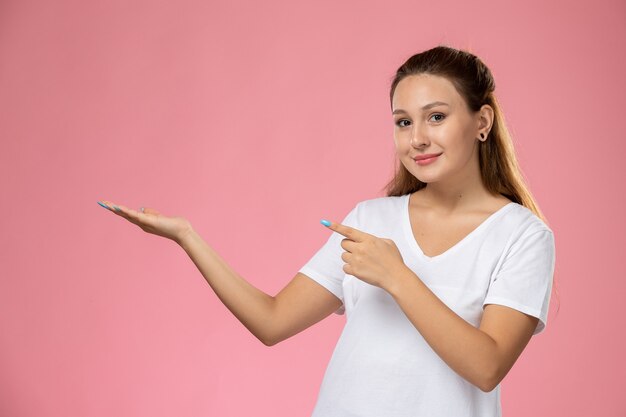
x,y
402,123
442,116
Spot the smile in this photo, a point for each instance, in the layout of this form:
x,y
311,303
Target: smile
x,y
429,159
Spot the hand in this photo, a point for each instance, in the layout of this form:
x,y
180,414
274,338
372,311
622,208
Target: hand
x,y
372,259
151,221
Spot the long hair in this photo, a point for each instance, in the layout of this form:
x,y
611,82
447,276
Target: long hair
x,y
472,79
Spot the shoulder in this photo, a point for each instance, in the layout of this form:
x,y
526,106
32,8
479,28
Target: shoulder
x,y
375,211
526,219
519,224
381,205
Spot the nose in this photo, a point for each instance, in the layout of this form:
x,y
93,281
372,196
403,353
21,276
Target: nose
x,y
418,139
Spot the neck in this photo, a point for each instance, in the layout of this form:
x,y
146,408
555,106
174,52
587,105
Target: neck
x,y
465,192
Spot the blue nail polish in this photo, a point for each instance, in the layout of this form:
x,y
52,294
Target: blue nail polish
x,y
325,223
117,208
104,205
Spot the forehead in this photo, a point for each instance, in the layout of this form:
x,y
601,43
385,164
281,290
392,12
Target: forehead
x,y
416,91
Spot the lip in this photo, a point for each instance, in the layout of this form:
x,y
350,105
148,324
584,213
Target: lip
x,y
427,158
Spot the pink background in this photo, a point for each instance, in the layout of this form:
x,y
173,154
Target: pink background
x,y
254,120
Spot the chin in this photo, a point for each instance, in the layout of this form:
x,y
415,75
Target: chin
x,y
426,180
423,178
423,175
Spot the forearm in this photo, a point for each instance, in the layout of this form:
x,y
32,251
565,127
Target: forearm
x,y
469,351
252,307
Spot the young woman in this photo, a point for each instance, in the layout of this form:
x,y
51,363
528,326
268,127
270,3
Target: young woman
x,y
443,281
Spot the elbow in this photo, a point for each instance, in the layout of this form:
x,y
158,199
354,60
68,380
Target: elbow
x,y
489,381
270,340
487,385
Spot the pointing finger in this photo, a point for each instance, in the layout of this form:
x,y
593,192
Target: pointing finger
x,y
347,231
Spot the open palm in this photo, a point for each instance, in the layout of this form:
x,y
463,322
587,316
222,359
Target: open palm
x,y
151,221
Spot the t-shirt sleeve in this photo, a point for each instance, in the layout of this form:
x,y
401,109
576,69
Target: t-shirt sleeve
x,y
326,266
524,280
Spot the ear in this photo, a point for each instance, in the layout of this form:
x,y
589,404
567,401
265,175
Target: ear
x,y
485,120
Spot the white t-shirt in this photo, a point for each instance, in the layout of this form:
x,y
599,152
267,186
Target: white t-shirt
x,y
382,366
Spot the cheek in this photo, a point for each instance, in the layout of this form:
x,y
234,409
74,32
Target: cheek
x,y
457,140
468,136
468,142
401,140
465,150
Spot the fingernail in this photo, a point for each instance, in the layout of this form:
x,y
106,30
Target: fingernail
x,y
117,208
325,223
141,209
104,205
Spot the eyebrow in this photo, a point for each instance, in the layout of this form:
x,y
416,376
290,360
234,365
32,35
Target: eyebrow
x,y
426,107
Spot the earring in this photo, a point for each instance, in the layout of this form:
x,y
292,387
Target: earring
x,y
482,136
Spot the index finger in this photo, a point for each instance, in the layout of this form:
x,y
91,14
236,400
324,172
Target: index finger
x,y
347,231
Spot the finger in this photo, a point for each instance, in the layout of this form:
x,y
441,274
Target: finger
x,y
105,206
115,208
348,244
148,210
109,205
347,231
131,215
128,212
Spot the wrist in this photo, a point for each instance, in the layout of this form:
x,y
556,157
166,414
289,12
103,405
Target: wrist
x,y
400,280
185,236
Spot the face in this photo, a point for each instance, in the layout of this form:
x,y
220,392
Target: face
x,y
432,119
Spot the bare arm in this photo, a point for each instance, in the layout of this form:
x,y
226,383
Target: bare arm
x,y
483,356
302,303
